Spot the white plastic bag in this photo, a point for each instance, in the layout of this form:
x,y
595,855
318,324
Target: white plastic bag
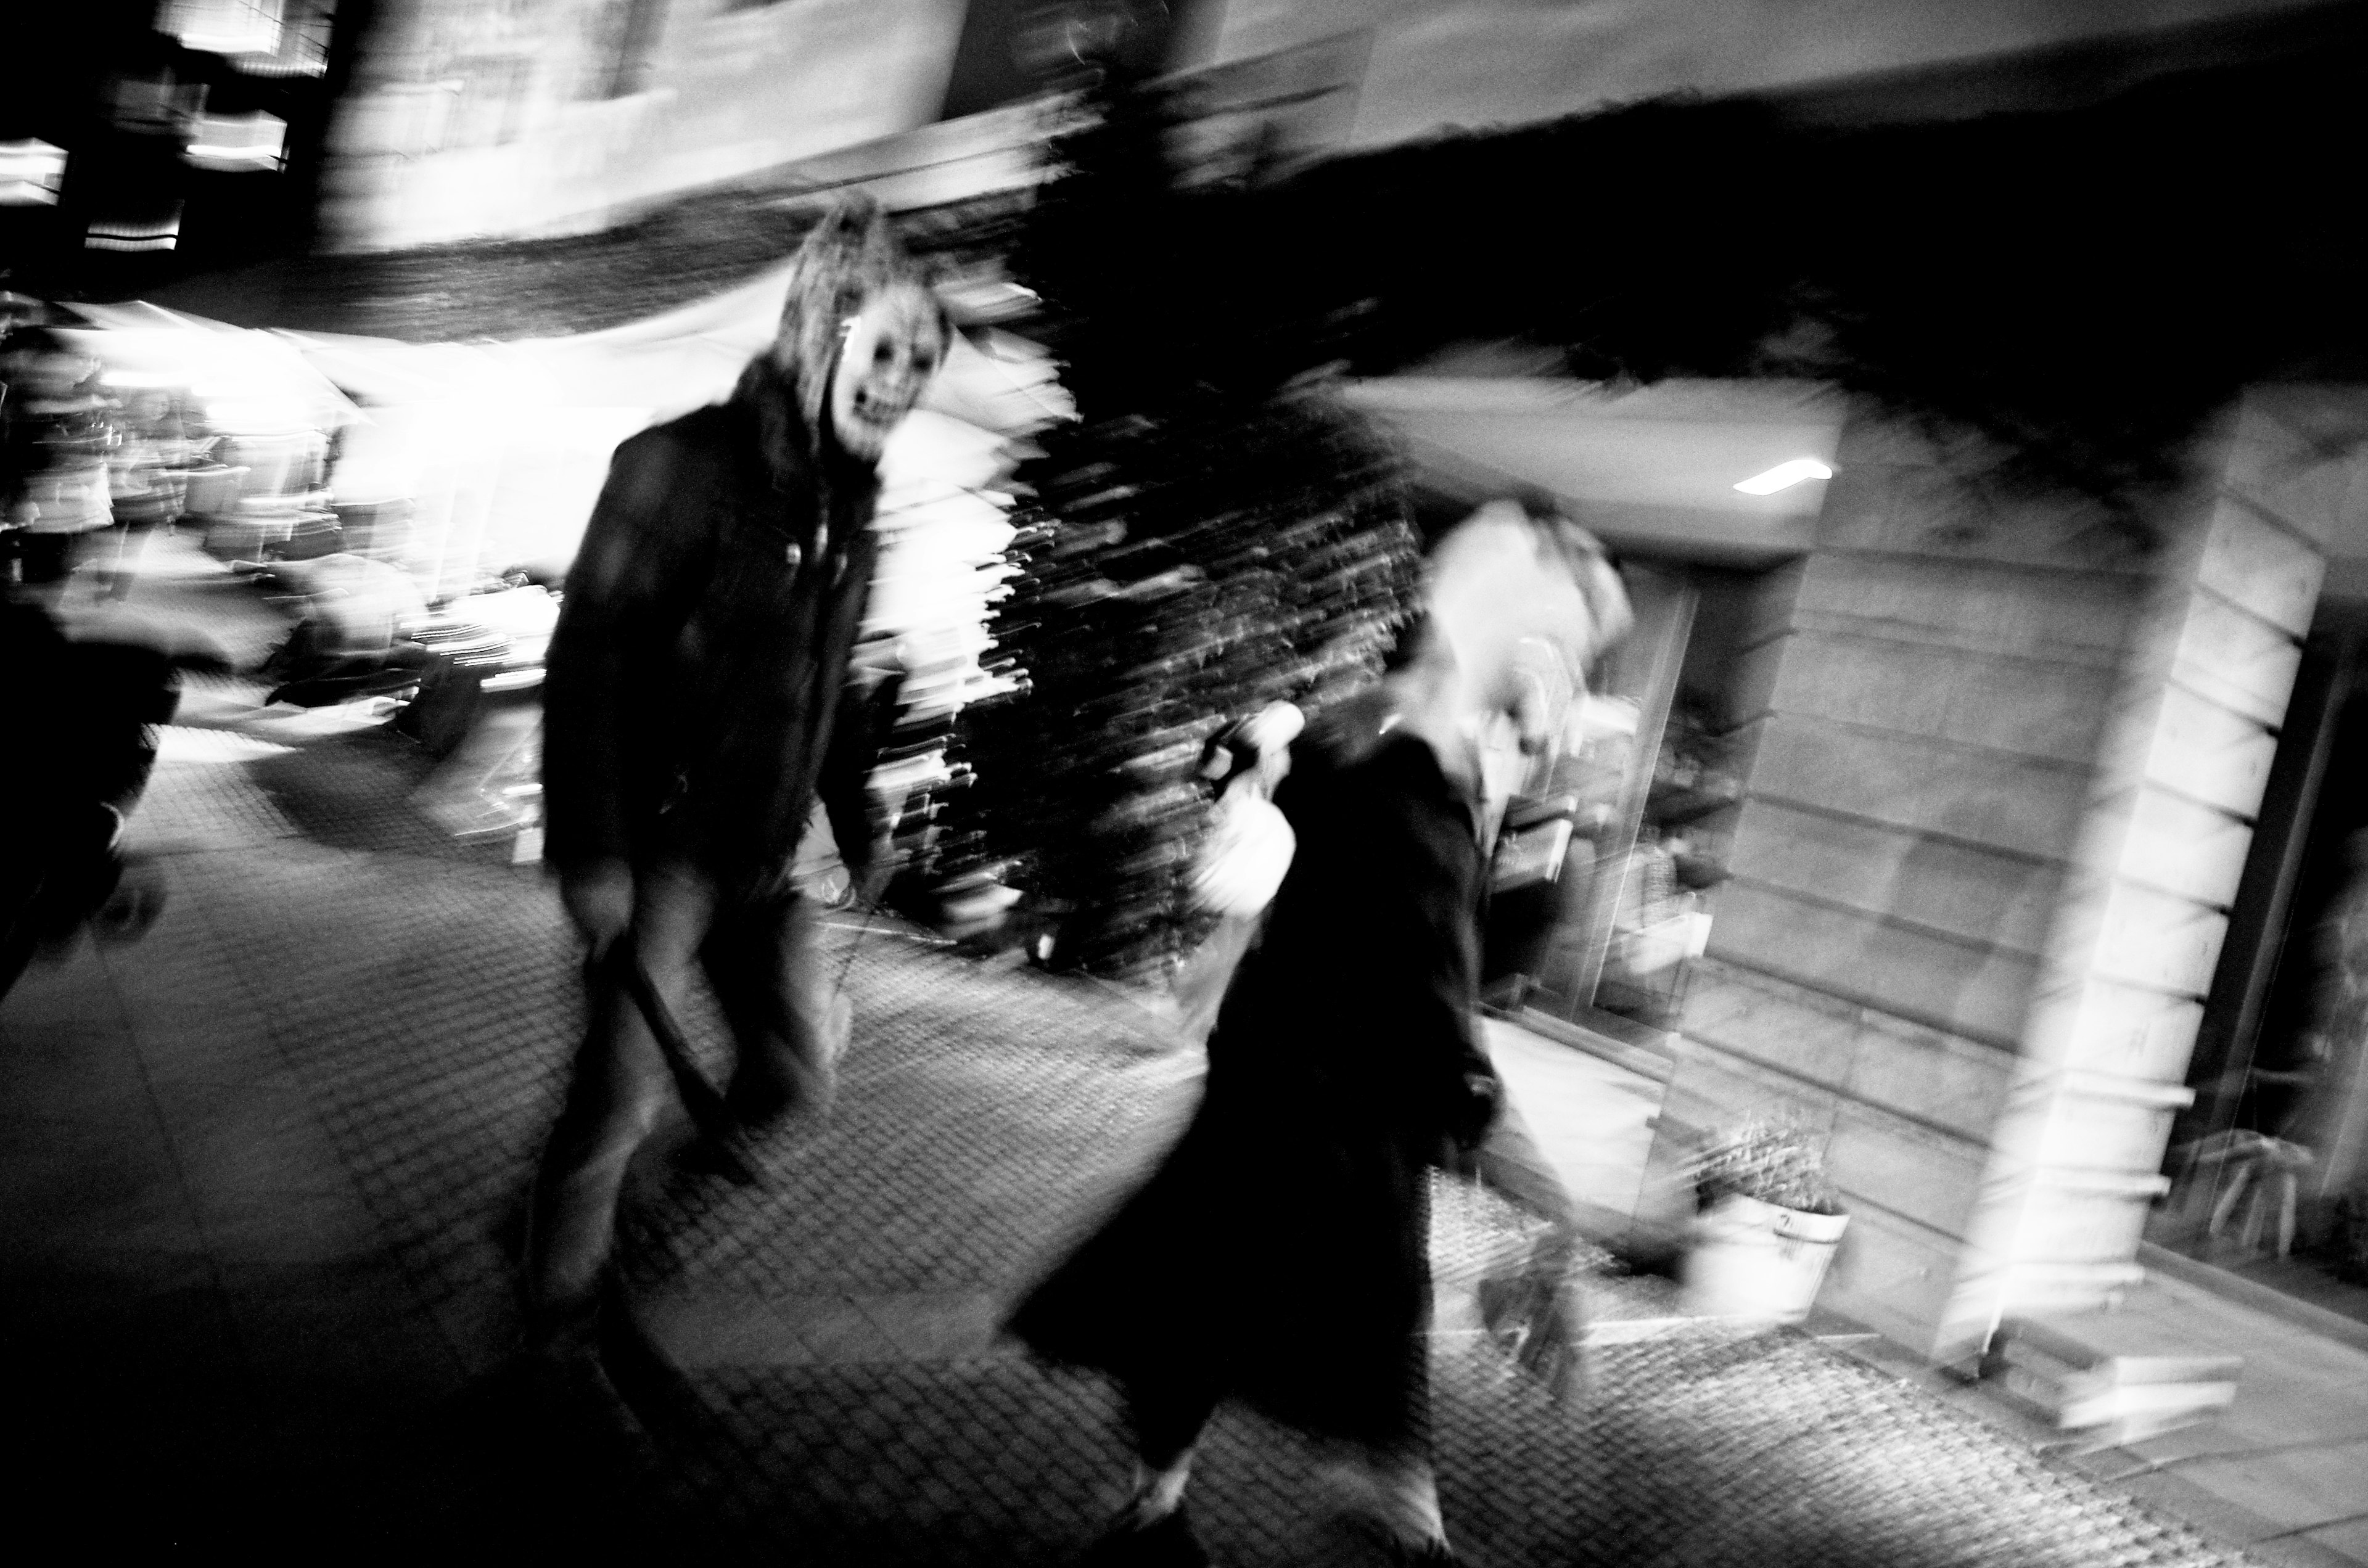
x,y
1241,864
1243,861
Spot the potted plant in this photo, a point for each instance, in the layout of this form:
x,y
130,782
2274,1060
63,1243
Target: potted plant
x,y
1769,1220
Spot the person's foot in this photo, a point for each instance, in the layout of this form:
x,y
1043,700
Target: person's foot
x,y
764,1103
1378,1542
1137,1542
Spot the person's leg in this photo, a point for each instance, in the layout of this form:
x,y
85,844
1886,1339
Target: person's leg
x,y
1535,1309
130,545
620,1088
1166,1413
1509,1162
1167,1409
1393,1492
1378,1464
762,960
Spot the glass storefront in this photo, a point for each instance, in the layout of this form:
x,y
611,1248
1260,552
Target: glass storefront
x,y
1598,924
2269,1168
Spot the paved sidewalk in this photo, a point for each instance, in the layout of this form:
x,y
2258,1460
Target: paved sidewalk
x,y
260,1188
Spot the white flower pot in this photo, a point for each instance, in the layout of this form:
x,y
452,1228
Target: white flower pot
x,y
1757,1262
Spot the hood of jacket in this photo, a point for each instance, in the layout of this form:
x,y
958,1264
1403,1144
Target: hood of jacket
x,y
848,258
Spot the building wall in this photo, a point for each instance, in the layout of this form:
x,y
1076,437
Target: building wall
x,y
1481,63
2004,761
2075,1161
1924,695
555,116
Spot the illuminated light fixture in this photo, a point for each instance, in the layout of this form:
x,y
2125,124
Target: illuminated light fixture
x,y
243,158
30,174
262,37
224,27
123,236
97,241
1784,475
232,142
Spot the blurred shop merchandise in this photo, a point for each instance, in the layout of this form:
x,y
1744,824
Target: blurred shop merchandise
x,y
147,477
1660,921
479,708
354,635
362,631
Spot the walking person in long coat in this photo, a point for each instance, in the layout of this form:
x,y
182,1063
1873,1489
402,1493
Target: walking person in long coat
x,y
693,708
1280,1255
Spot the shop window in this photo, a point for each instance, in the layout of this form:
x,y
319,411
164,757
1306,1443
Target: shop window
x,y
1647,779
2269,1168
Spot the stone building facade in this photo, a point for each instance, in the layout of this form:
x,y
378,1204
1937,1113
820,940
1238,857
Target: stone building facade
x,y
542,117
2002,756
2004,762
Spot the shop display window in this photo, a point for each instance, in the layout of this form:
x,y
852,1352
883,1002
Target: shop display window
x,y
1612,841
2268,1169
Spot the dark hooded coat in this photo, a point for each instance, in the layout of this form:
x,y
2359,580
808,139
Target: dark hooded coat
x,y
692,704
1281,1253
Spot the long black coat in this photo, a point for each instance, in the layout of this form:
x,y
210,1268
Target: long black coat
x,y
1279,1254
701,649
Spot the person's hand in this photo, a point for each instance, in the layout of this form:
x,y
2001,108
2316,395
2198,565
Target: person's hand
x,y
599,899
1476,1107
1551,1350
878,868
1535,1315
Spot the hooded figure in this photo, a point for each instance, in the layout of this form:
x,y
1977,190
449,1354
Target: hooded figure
x,y
693,711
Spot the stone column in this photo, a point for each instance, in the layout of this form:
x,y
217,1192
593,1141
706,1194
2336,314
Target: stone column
x,y
2076,1155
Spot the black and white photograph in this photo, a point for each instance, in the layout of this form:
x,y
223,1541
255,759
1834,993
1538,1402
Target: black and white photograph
x,y
1162,783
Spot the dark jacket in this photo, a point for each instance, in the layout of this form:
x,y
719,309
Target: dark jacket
x,y
692,702
1280,1251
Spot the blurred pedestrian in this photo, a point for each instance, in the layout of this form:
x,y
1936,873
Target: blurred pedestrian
x,y
1279,1254
78,721
57,432
147,480
693,712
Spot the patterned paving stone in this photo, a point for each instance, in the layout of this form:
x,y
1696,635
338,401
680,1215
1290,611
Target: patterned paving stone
x,y
846,1403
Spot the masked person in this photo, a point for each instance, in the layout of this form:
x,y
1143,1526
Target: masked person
x,y
695,705
1279,1254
